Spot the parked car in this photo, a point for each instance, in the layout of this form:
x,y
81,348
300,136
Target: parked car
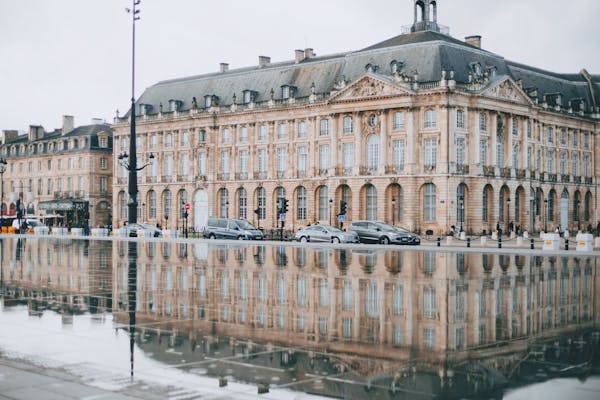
x,y
380,232
325,233
134,229
225,228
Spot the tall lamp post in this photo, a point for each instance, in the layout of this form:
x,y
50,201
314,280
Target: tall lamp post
x,y
393,211
330,208
508,213
3,164
546,216
461,204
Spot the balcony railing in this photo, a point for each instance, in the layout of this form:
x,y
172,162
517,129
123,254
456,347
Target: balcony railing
x,y
565,178
367,171
429,169
462,169
223,176
577,179
241,176
588,180
489,170
505,172
521,173
260,175
322,172
280,174
552,178
301,174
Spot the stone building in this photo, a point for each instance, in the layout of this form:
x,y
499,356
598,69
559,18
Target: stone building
x,y
66,172
421,130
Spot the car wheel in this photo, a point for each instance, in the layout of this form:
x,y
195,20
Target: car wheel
x,y
335,240
212,236
303,239
384,240
240,237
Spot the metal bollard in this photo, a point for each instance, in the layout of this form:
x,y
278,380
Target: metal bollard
x,y
439,241
566,244
499,242
531,242
468,242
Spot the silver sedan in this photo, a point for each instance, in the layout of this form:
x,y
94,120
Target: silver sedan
x,y
325,233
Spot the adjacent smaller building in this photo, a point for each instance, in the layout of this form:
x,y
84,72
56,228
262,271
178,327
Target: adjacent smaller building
x,y
66,173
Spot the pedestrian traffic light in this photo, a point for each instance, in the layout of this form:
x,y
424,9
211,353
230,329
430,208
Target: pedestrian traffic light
x,y
343,207
285,204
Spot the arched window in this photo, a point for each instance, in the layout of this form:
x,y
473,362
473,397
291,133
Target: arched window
x,y
182,196
224,203
261,198
151,204
551,205
373,152
167,203
323,194
429,202
371,202
484,208
242,203
301,203
576,204
587,206
460,203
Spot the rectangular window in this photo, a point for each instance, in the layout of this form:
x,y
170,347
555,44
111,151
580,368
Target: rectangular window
x,y
225,162
243,134
324,131
515,126
243,166
430,119
103,184
515,157
529,130
429,307
324,156
482,122
430,149
575,139
563,163
348,125
563,137
348,150
529,164
398,120
262,132
586,166
550,162
302,156
499,154
301,130
586,141
202,164
575,164
550,135
460,119
281,131
398,149
281,159
226,137
483,152
169,165
460,151
103,163
262,160
153,141
185,141
429,205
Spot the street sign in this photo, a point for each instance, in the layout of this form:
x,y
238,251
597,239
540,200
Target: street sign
x,y
187,206
342,218
282,217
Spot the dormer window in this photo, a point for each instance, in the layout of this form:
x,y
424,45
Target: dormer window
x,y
145,109
396,66
285,92
211,100
248,96
476,70
175,105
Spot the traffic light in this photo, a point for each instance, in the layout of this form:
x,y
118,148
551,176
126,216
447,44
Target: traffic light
x,y
257,211
285,204
343,207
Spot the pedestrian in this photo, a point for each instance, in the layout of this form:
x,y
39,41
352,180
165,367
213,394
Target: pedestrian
x,y
598,229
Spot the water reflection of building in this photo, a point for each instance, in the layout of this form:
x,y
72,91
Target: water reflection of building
x,y
69,276
373,313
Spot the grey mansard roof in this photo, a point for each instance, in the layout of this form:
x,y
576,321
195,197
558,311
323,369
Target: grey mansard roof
x,y
422,55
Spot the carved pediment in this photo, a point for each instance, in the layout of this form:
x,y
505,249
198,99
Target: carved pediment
x,y
370,87
507,90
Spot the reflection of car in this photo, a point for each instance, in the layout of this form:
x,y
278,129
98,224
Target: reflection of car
x,y
225,228
134,230
379,232
30,223
325,233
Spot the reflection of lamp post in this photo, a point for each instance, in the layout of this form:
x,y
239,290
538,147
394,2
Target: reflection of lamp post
x,y
330,207
393,211
546,218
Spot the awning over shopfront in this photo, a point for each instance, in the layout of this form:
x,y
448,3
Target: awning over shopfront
x,y
57,205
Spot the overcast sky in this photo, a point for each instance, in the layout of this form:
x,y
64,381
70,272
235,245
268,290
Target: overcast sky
x,y
73,57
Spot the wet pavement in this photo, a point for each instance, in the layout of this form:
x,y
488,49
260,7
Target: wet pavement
x,y
210,319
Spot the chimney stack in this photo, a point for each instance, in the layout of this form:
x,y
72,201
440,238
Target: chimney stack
x,y
474,40
98,121
299,55
263,61
309,53
68,124
224,67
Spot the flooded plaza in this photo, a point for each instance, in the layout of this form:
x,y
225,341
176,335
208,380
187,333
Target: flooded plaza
x,y
216,319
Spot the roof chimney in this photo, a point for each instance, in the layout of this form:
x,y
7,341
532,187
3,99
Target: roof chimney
x,y
68,124
299,55
224,67
474,40
263,61
309,53
98,121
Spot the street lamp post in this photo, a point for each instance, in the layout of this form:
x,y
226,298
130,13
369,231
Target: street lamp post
x,y
508,214
577,203
546,216
461,205
330,208
3,164
393,211
227,209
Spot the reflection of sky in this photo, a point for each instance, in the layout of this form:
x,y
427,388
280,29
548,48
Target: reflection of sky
x,y
93,349
558,389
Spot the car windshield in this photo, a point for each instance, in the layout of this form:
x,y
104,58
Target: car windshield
x,y
331,229
243,224
148,226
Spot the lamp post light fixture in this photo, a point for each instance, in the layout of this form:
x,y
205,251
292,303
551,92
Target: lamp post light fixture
x,y
546,216
393,211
